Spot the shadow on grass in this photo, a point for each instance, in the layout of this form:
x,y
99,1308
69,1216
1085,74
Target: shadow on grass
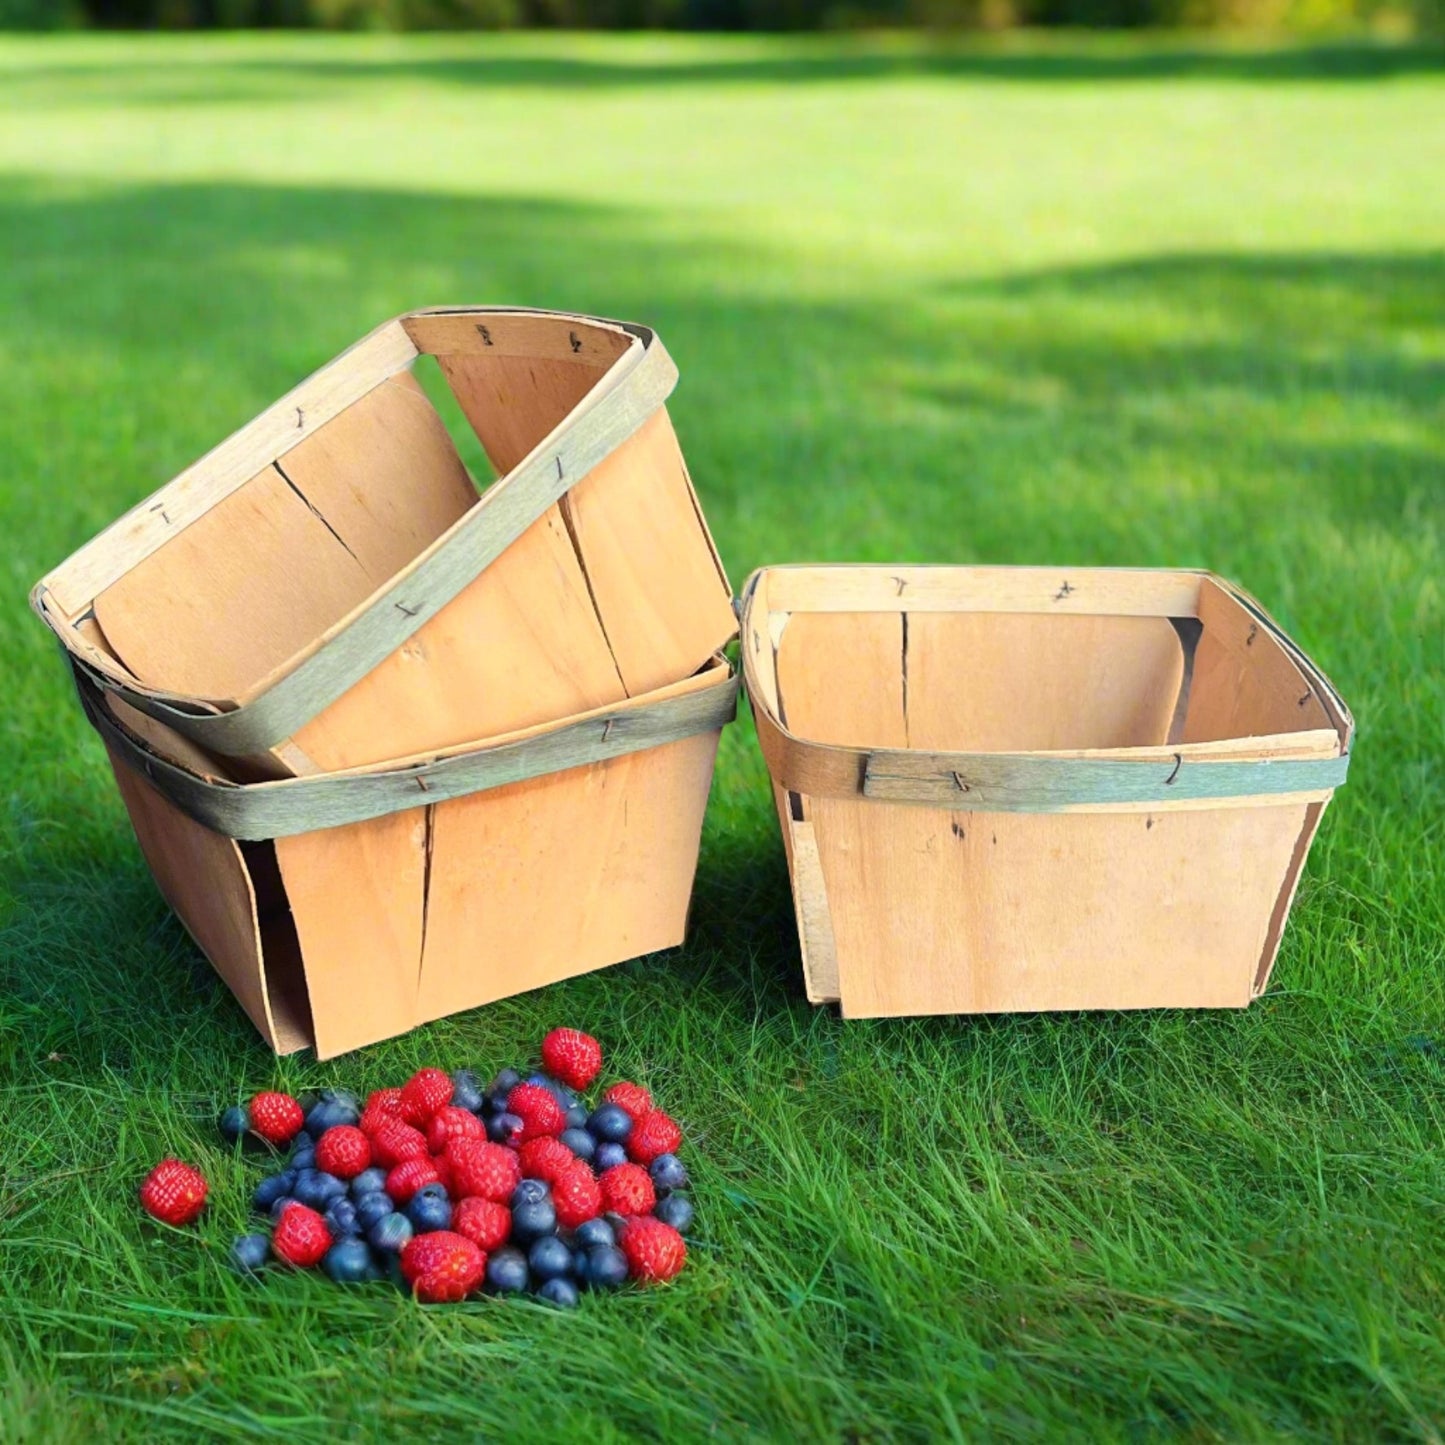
x,y
215,78
1172,411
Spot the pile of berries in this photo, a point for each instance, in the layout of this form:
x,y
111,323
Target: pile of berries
x,y
449,1188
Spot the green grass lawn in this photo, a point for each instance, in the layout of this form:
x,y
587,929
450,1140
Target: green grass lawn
x,y
1114,303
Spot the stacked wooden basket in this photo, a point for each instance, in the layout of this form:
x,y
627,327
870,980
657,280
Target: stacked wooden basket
x,y
393,749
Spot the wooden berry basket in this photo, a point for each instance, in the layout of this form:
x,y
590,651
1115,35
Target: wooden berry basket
x,y
321,623
1020,789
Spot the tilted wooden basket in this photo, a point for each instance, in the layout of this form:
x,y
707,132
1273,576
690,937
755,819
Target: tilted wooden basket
x,y
1020,789
392,750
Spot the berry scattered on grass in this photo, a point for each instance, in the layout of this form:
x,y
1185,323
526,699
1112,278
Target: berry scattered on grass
x,y
173,1192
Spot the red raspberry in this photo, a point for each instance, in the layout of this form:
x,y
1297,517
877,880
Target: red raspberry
x,y
483,1170
538,1110
443,1167
173,1192
409,1176
301,1236
442,1267
277,1118
544,1158
343,1151
452,1123
396,1141
655,1251
652,1135
576,1195
485,1222
423,1094
631,1097
381,1105
627,1189
571,1056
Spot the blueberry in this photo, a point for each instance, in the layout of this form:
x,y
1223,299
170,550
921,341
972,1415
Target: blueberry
x,y
390,1233
592,1232
318,1189
549,1258
302,1140
608,1156
606,1267
533,1221
530,1191
503,1128
369,1181
335,1106
249,1252
507,1271
580,1142
280,1204
505,1082
577,1116
272,1187
559,1292
341,1218
466,1091
349,1261
560,1092
611,1124
429,1209
371,1209
667,1173
235,1122
675,1210
303,1158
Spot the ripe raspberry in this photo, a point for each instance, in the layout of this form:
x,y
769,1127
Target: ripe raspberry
x,y
173,1192
443,1167
485,1222
277,1118
381,1105
423,1094
343,1151
396,1141
652,1136
573,1057
626,1189
442,1267
409,1176
576,1195
538,1109
655,1251
450,1123
544,1158
631,1097
301,1236
482,1170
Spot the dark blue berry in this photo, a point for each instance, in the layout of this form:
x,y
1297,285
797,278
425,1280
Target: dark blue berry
x,y
280,1204
342,1219
675,1210
303,1158
430,1209
235,1122
335,1106
611,1124
503,1128
577,1116
372,1208
466,1091
349,1261
592,1232
580,1142
390,1233
249,1253
507,1271
532,1221
272,1187
505,1082
369,1181
667,1174
530,1191
549,1258
608,1156
559,1292
605,1268
318,1189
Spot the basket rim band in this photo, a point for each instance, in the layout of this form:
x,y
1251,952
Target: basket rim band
x,y
633,390
284,807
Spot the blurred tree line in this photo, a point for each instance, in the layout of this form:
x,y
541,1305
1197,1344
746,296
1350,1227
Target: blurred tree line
x,y
757,15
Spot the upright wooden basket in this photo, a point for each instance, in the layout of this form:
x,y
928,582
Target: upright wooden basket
x,y
392,750
1020,789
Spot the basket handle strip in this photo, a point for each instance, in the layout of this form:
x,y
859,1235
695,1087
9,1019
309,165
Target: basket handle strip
x,y
635,390
280,809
